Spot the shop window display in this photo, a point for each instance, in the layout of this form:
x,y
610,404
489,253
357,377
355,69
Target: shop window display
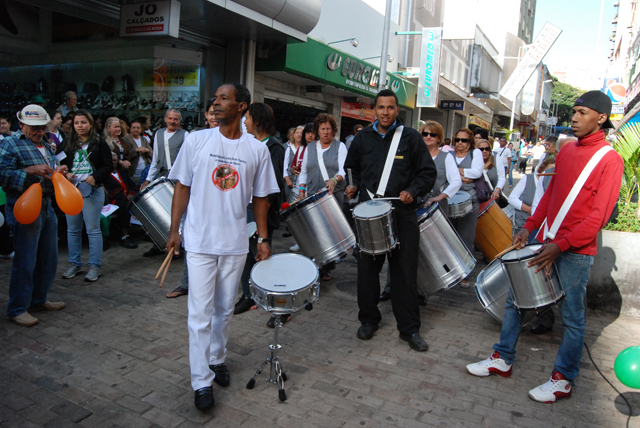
x,y
126,89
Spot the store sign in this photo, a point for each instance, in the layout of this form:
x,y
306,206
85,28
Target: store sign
x,y
322,63
529,63
170,76
452,105
552,121
617,108
527,105
358,111
475,120
429,67
158,18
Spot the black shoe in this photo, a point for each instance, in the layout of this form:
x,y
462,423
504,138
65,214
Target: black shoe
x,y
243,305
415,341
384,296
540,329
272,321
365,332
204,399
222,374
128,244
153,251
422,300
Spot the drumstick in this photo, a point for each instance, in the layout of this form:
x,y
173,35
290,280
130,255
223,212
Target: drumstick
x,y
164,263
513,247
350,177
167,268
547,174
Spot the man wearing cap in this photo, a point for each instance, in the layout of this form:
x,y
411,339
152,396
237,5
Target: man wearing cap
x,y
573,247
69,106
25,159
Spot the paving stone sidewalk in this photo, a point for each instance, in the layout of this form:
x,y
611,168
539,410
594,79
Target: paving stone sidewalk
x,y
117,356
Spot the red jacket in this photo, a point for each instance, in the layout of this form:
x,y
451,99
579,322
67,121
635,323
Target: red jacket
x,y
595,202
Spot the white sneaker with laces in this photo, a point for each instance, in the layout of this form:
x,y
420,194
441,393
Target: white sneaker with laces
x,y
494,365
557,387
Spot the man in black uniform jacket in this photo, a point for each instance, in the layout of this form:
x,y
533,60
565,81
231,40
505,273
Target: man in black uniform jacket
x,y
413,174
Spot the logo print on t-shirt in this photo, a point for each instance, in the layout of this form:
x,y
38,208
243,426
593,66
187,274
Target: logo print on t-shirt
x,y
225,177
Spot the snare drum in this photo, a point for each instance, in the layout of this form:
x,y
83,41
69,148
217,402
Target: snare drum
x,y
293,194
284,283
531,290
152,207
443,259
460,204
320,227
376,227
493,232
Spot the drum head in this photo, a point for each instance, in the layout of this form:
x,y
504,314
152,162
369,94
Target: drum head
x,y
523,254
371,209
302,202
484,207
459,197
284,273
425,213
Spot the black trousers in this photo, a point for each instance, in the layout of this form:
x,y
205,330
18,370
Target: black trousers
x,y
403,263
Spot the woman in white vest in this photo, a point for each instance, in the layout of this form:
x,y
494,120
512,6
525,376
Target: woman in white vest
x,y
448,181
493,169
323,166
292,160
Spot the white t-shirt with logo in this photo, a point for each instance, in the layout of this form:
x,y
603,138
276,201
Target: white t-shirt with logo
x,y
223,175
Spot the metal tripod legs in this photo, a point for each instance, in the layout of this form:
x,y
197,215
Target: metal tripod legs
x,y
276,374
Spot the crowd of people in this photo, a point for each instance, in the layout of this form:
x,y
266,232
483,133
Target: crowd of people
x,y
236,172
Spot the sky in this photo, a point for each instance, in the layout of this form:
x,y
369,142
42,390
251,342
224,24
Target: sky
x,y
579,21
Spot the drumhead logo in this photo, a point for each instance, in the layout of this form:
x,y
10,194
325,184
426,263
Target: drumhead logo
x,y
225,177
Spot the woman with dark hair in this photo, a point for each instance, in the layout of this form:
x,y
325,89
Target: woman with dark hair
x,y
323,166
89,162
470,167
261,123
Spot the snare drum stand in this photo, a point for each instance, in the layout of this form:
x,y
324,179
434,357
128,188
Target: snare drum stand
x,y
276,374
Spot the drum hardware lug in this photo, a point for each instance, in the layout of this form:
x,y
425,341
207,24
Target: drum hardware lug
x,y
308,306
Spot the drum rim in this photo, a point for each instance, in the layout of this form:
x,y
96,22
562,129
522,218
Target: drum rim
x,y
316,279
149,187
300,203
520,259
429,212
460,192
491,202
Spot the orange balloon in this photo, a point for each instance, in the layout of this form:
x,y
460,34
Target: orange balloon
x,y
27,207
68,196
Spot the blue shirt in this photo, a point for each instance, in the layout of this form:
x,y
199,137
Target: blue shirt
x,y
17,152
375,127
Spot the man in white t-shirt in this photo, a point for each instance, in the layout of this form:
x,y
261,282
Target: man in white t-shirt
x,y
217,172
538,151
503,153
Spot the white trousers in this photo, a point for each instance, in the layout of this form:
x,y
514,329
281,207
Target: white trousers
x,y
213,286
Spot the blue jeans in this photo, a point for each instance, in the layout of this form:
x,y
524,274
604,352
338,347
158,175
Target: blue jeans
x,y
573,270
91,216
35,260
513,165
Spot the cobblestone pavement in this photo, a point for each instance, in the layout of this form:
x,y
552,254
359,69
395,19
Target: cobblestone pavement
x,y
117,356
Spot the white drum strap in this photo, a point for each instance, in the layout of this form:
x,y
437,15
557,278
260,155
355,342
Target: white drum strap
x,y
388,164
571,197
486,178
167,156
323,169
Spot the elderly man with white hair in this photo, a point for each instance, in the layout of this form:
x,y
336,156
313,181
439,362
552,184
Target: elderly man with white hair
x,y
69,106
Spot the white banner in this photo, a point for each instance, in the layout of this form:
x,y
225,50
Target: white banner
x,y
429,67
157,18
534,56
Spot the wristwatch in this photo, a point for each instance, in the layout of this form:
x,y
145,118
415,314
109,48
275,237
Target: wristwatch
x,y
261,240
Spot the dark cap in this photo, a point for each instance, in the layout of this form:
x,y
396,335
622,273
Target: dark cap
x,y
598,101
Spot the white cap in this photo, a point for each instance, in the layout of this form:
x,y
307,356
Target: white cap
x,y
33,115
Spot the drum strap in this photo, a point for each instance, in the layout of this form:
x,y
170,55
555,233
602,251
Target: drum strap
x,y
486,178
167,155
388,164
323,169
571,197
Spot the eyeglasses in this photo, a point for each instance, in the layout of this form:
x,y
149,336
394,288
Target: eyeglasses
x,y
430,134
462,140
38,128
485,149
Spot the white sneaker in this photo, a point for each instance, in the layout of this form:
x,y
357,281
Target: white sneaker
x,y
492,365
557,387
7,256
295,248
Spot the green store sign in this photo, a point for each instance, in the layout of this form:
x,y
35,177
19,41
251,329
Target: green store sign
x,y
322,63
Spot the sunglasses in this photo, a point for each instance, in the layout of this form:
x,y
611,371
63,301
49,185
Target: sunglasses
x,y
484,149
430,134
462,140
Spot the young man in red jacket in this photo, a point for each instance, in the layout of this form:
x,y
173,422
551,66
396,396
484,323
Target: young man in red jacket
x,y
573,247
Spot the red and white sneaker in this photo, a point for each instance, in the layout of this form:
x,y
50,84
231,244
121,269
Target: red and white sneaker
x,y
557,387
493,365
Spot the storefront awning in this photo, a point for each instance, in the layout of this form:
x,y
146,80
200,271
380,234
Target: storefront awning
x,y
315,60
